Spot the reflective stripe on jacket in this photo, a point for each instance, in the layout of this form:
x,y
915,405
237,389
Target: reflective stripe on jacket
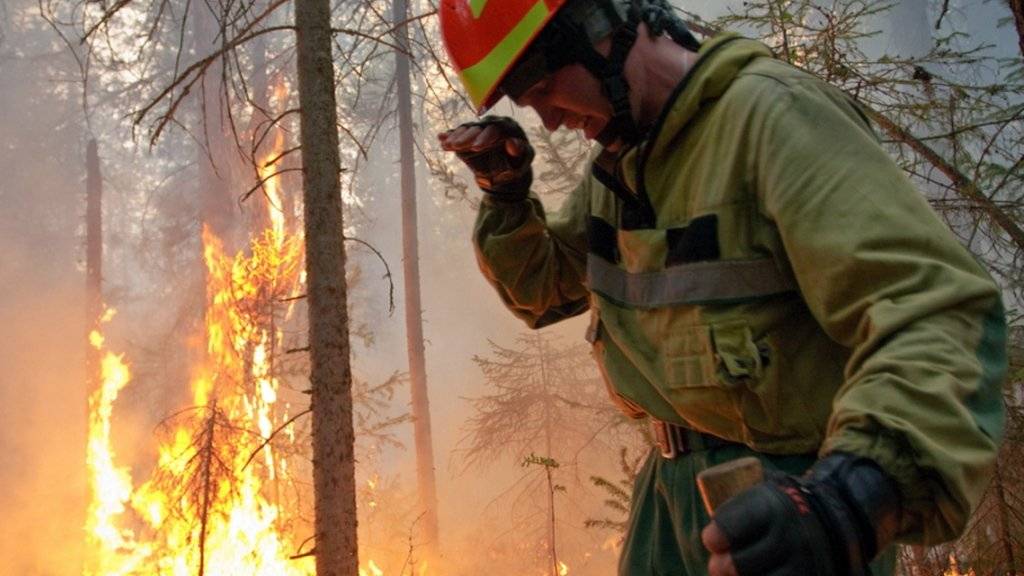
x,y
759,269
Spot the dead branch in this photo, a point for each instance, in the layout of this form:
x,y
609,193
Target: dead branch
x,y
372,37
387,272
188,77
107,15
942,14
270,437
259,185
962,184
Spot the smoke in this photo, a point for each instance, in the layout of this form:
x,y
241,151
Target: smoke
x,y
42,391
42,418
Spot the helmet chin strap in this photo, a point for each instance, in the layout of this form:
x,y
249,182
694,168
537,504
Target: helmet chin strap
x,y
610,70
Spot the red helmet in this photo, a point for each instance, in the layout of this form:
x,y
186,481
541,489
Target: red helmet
x,y
485,39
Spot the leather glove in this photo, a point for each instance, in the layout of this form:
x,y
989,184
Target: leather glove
x,y
830,522
498,153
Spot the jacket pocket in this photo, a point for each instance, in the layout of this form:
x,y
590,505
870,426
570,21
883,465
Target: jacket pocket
x,y
717,378
742,364
738,359
689,357
692,385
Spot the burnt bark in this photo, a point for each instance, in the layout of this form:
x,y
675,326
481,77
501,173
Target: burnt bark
x,y
330,371
93,258
211,132
93,287
425,479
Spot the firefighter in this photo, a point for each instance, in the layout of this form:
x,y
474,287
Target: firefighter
x,y
761,279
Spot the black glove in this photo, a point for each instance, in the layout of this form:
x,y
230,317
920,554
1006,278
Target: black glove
x,y
831,522
499,174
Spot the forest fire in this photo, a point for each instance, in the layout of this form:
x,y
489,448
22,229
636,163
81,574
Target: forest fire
x,y
954,568
214,502
110,485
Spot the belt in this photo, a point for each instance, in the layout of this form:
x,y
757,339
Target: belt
x,y
674,440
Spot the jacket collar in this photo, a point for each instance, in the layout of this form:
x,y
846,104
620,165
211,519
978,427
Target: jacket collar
x,y
720,61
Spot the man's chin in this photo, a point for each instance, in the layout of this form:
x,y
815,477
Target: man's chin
x,y
609,141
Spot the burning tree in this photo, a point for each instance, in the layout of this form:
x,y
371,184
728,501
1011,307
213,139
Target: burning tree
x,y
215,499
238,429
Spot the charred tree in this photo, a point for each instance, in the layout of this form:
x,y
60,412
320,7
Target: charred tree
x,y
93,279
93,259
211,131
425,480
330,368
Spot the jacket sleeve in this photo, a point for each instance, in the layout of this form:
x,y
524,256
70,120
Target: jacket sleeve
x,y
885,277
538,267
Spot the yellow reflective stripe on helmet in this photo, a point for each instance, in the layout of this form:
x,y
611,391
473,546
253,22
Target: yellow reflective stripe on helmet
x,y
480,78
476,7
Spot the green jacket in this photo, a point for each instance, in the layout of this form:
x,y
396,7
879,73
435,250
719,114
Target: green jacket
x,y
760,269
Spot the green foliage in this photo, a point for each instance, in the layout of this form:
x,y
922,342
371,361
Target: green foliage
x,y
535,460
619,493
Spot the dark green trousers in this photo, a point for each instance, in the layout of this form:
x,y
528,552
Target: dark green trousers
x,y
667,514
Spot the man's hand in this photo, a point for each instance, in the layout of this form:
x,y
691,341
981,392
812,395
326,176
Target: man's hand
x,y
831,522
497,151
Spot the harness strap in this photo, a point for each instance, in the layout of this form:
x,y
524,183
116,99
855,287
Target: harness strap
x,y
674,440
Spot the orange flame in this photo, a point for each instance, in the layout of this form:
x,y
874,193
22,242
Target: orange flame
x,y
210,502
954,568
110,485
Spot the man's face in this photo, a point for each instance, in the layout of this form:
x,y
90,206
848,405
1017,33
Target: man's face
x,y
570,97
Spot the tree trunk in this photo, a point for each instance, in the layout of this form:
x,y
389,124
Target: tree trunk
x,y
1005,531
93,292
330,376
93,259
1017,7
542,357
217,207
259,131
425,480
